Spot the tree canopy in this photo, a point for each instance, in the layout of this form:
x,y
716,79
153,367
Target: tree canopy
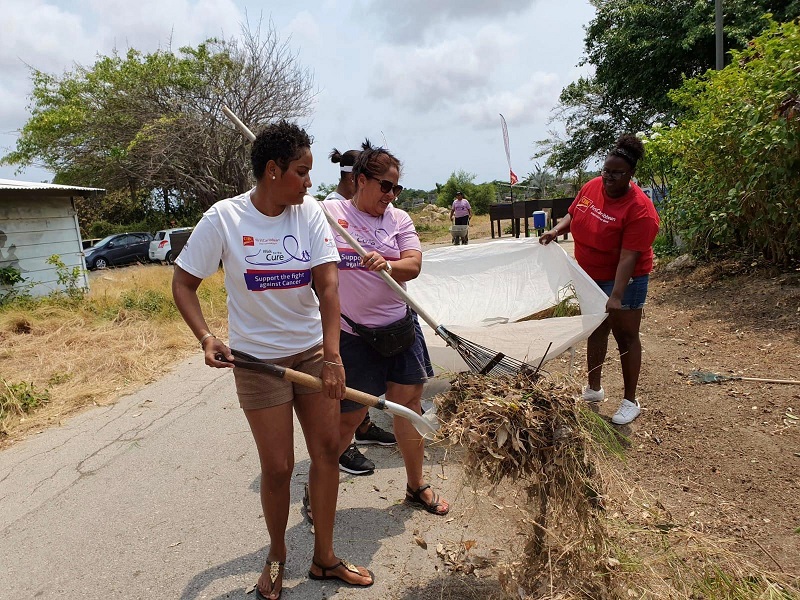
x,y
640,50
150,123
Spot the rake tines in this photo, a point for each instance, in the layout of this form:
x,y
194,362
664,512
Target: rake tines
x,y
486,361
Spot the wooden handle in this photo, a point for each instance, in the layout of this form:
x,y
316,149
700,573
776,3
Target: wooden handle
x,y
789,381
315,383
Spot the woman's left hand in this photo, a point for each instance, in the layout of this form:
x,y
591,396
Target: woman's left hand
x,y
613,304
373,261
333,380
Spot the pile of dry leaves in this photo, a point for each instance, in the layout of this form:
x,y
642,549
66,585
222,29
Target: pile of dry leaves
x,y
536,434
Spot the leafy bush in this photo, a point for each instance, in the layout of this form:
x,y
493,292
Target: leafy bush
x,y
733,160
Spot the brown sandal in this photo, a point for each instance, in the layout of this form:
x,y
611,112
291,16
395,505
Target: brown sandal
x,y
275,568
415,498
342,563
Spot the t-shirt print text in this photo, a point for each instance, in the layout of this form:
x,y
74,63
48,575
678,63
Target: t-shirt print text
x,y
586,204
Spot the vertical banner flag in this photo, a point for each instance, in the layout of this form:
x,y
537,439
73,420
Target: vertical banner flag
x,y
511,175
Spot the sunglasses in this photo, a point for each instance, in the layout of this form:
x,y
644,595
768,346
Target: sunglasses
x,y
387,186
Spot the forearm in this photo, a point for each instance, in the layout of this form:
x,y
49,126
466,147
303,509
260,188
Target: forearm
x,y
563,226
625,267
327,286
184,292
406,268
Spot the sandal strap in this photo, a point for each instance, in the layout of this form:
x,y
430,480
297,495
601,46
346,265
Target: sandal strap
x,y
342,563
416,494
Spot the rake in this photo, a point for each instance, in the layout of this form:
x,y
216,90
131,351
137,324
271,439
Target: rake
x,y
479,359
708,377
426,425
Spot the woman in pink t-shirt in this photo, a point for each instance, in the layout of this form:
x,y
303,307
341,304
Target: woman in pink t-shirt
x,y
614,224
392,244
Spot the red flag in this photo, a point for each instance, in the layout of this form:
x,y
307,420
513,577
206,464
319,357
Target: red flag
x,y
512,177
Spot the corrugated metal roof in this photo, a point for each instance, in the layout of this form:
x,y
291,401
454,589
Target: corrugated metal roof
x,y
11,184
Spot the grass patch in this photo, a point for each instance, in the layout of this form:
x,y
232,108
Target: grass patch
x,y
91,349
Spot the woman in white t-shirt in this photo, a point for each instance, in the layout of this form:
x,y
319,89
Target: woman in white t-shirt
x,y
272,241
392,244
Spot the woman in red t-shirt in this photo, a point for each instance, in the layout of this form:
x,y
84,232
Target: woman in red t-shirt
x,y
613,224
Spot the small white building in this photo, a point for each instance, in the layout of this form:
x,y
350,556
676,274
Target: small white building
x,y
38,220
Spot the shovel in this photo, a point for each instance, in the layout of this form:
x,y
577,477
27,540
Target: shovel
x,y
426,425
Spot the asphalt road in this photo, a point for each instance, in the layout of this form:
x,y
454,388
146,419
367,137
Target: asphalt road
x,y
156,496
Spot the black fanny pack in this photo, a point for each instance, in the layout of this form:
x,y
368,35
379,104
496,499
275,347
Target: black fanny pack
x,y
389,340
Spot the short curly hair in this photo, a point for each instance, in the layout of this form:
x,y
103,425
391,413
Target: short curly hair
x,y
282,142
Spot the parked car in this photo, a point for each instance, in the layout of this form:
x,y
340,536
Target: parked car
x,y
118,249
160,249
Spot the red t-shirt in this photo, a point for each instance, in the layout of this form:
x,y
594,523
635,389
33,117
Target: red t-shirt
x,y
602,226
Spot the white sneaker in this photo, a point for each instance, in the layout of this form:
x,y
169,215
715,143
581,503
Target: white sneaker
x,y
590,395
627,412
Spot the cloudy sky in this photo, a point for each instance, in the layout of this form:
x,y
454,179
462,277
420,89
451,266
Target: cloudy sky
x,y
427,78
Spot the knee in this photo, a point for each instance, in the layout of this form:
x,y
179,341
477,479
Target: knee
x,y
277,472
325,449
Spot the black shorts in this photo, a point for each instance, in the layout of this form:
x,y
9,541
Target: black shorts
x,y
368,371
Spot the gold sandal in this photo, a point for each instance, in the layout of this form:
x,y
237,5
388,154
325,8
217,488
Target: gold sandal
x,y
275,568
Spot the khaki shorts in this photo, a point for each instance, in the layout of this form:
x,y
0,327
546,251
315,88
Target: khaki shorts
x,y
258,390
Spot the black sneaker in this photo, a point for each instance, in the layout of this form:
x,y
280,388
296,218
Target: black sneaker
x,y
375,435
352,461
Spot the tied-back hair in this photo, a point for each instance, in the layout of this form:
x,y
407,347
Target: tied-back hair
x,y
374,161
282,142
344,159
629,148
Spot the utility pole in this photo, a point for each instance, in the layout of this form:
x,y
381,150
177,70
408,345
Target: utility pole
x,y
718,27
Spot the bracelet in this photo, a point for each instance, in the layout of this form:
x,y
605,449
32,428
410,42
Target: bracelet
x,y
205,337
333,364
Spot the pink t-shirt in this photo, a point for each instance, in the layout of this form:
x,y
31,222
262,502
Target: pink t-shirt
x,y
461,207
364,296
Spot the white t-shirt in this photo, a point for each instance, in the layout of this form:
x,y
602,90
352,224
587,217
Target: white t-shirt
x,y
272,310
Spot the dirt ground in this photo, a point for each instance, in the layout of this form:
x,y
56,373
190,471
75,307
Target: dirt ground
x,y
723,458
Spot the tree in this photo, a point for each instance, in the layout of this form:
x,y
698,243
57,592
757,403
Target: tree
x,y
480,196
153,122
642,49
733,160
324,189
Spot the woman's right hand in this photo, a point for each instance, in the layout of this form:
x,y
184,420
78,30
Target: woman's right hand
x,y
547,237
333,380
217,354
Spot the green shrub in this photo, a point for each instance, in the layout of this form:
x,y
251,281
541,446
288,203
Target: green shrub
x,y
20,398
732,162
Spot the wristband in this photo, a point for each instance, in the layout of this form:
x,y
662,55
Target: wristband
x,y
333,364
205,337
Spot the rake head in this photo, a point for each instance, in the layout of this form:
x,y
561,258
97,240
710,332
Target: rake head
x,y
486,361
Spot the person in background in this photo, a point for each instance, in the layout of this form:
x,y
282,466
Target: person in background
x,y
392,245
461,211
351,460
614,224
260,236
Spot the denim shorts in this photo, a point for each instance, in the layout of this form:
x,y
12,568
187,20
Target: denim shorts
x,y
635,293
368,371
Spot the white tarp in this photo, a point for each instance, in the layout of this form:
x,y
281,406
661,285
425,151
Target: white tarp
x,y
481,291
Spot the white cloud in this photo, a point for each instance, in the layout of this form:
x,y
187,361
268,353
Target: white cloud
x,y
410,20
426,78
528,102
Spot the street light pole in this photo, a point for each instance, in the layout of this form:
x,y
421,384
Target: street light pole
x,y
720,64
